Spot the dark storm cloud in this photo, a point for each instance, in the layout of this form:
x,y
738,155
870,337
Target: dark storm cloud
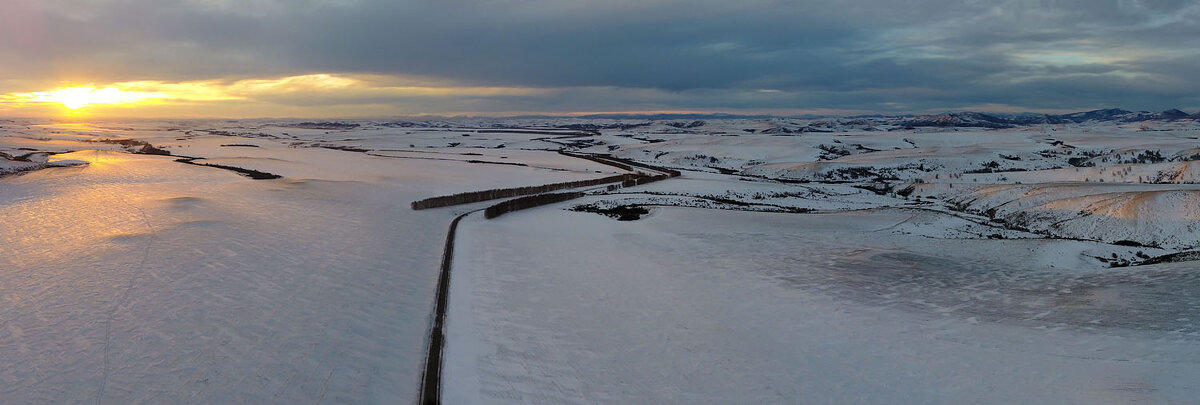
x,y
878,55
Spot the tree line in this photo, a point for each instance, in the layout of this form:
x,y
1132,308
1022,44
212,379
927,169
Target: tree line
x,y
485,195
620,163
518,204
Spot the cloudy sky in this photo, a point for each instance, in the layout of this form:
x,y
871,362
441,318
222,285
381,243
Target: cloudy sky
x,y
327,58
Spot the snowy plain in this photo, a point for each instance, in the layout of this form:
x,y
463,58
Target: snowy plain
x,y
872,263
692,306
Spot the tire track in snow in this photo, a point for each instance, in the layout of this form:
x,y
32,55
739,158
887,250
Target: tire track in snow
x,y
124,298
325,385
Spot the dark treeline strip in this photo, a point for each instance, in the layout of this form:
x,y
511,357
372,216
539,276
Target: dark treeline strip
x,y
254,174
518,204
1173,258
668,172
643,180
496,163
599,160
341,148
565,134
625,164
485,195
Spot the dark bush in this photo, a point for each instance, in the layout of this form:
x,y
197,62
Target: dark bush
x,y
621,213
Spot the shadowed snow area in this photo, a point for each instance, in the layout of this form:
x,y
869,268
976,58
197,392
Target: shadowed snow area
x,y
692,306
847,260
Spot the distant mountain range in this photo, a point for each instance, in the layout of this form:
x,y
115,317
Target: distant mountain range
x,y
676,116
949,119
983,120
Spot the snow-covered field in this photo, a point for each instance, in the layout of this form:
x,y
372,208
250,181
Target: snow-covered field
x,y
696,306
873,263
135,279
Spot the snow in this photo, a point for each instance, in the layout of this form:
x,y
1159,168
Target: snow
x,y
867,264
1160,215
135,279
696,306
143,280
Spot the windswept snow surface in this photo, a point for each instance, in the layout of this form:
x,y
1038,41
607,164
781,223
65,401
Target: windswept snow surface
x,y
697,306
136,279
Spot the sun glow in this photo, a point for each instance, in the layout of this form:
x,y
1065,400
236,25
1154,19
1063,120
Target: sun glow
x,y
315,94
75,98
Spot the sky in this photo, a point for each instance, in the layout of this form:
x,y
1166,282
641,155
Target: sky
x,y
381,58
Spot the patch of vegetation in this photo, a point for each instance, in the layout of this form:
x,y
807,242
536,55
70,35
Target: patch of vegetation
x,y
1174,258
342,148
861,172
135,146
1147,156
253,174
332,125
485,195
832,152
621,213
595,127
518,204
684,125
988,167
1081,162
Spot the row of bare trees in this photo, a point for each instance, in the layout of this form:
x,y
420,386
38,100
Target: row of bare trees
x,y
538,194
598,159
485,195
518,204
624,164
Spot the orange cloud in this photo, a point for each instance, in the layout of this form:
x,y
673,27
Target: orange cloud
x,y
209,97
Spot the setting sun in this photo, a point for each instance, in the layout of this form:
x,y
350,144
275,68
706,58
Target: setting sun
x,y
251,96
75,98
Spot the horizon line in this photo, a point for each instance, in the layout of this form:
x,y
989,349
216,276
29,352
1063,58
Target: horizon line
x,y
712,114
